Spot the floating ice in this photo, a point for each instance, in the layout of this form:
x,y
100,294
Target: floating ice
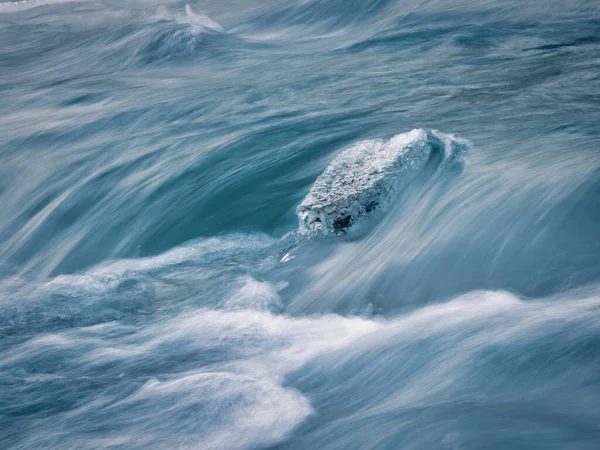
x,y
365,177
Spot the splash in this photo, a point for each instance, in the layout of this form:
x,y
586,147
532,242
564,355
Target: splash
x,y
198,22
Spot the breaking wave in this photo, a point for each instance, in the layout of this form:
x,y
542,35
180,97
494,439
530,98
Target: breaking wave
x,y
241,376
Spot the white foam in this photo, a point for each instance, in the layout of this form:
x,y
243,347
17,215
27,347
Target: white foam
x,y
242,411
233,392
238,403
365,177
255,295
108,275
198,22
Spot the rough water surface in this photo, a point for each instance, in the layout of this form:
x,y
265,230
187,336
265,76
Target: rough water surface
x,y
165,282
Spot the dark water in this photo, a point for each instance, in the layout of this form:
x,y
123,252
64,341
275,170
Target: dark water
x,y
154,292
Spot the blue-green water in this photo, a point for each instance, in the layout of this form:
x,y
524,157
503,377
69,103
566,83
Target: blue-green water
x,y
156,290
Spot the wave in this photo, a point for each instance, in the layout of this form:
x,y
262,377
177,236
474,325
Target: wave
x,y
122,289
204,377
197,21
473,367
244,378
152,159
180,35
113,39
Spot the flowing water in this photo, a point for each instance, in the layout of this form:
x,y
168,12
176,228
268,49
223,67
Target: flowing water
x,y
157,289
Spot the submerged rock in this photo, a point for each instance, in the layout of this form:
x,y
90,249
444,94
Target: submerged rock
x,y
364,178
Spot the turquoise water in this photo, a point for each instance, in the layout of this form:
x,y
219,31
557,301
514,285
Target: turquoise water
x,y
158,290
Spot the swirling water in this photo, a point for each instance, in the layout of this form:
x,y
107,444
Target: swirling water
x,y
154,292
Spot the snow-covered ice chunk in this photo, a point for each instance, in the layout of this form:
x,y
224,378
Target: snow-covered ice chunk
x,y
364,178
